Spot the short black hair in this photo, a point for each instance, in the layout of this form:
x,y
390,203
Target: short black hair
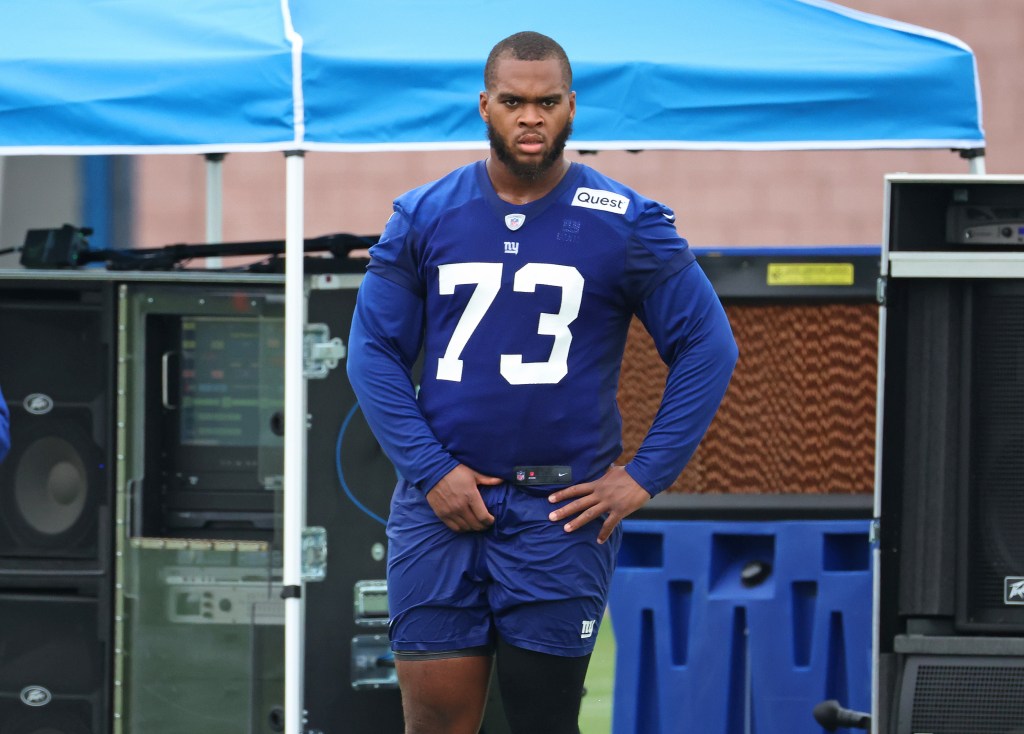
x,y
527,46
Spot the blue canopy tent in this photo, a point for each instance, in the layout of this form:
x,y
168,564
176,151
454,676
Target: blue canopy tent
x,y
733,74
88,77
241,75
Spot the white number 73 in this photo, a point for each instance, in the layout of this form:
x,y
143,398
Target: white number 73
x,y
487,279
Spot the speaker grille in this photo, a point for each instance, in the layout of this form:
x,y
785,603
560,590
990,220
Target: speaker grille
x,y
52,484
51,347
996,484
964,696
799,416
54,644
61,716
56,375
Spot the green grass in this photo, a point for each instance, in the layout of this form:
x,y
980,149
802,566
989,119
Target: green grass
x,y
596,709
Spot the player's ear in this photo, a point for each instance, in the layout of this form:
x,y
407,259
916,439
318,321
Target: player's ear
x,y
483,106
572,106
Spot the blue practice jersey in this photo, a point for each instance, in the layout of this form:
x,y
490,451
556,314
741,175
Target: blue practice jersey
x,y
522,313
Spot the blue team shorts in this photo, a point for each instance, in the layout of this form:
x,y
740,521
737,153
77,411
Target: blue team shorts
x,y
525,578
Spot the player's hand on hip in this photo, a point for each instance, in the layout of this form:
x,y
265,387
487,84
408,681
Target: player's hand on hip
x,y
616,493
457,501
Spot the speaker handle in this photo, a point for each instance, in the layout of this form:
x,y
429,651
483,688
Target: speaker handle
x,y
165,380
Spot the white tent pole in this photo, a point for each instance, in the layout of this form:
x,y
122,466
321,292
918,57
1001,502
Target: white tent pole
x,y
214,204
975,159
294,443
3,159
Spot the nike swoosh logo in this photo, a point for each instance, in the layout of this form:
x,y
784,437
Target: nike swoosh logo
x,y
669,217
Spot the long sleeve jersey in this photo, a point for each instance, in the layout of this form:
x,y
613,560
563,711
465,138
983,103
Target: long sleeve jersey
x,y
521,313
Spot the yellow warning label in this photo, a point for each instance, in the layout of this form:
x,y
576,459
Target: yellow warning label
x,y
810,273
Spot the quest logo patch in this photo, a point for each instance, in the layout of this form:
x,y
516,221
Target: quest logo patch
x,y
607,201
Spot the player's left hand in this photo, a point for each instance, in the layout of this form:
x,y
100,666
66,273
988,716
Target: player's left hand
x,y
616,493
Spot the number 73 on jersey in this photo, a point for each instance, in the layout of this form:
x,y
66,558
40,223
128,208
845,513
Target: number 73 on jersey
x,y
486,279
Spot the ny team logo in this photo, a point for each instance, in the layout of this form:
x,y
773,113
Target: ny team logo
x,y
588,628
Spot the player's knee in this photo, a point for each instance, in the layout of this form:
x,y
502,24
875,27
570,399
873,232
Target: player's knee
x,y
540,692
447,714
439,719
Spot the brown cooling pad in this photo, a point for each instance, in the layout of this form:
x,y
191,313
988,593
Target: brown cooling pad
x,y
799,416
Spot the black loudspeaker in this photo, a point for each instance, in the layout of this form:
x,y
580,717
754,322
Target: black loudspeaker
x,y
949,694
55,371
953,455
52,484
950,602
53,657
55,506
991,589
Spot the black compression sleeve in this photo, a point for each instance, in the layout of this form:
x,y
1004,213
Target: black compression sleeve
x,y
540,692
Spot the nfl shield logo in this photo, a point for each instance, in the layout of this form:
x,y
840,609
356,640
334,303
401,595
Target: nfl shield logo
x,y
520,475
514,221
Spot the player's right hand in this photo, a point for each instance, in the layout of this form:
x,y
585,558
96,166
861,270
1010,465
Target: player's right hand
x,y
457,501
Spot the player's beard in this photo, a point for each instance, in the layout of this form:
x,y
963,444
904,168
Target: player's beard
x,y
529,171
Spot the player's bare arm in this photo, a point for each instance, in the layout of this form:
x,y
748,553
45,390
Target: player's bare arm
x,y
457,502
616,493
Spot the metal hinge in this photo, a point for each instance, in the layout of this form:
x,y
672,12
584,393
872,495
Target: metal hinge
x,y
875,532
314,553
321,354
881,289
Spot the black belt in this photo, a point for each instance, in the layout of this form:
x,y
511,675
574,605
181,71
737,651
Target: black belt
x,y
529,475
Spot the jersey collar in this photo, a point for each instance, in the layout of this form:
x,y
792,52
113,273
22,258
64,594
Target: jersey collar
x,y
534,209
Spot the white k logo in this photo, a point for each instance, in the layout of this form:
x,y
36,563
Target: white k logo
x,y
1013,590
